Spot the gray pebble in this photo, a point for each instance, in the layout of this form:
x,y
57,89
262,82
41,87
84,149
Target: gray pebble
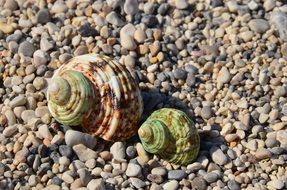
x,y
19,100
73,137
259,25
26,48
84,153
10,130
131,7
114,19
171,185
118,150
85,176
43,16
133,170
96,184
210,177
137,183
180,74
176,174
218,156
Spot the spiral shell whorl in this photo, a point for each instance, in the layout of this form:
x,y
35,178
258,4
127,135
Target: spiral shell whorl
x,y
154,136
114,106
175,138
73,99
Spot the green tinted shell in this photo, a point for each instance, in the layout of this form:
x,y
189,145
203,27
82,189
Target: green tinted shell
x,y
97,93
171,135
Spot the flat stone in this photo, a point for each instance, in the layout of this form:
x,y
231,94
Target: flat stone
x,y
137,183
198,183
10,130
259,25
26,48
218,156
171,185
44,132
114,19
43,16
96,184
131,7
19,100
118,150
84,153
176,174
73,137
133,170
277,184
262,153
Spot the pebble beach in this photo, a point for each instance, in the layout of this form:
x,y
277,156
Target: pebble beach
x,y
223,62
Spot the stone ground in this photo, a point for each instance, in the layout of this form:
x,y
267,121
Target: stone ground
x,y
223,62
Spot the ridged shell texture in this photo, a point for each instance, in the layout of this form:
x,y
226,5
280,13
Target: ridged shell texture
x,y
97,93
170,134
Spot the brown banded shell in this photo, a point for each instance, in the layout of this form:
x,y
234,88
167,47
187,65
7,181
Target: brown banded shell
x,y
97,93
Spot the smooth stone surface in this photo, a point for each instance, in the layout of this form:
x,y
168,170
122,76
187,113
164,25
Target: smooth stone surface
x,y
73,137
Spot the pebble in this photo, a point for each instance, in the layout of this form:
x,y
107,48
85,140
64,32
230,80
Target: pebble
x,y
281,136
262,153
210,177
155,178
44,132
73,137
180,74
128,42
131,7
10,117
43,16
176,174
259,25
86,30
2,169
277,184
223,76
269,5
96,184
114,19
85,176
218,156
10,130
6,28
171,185
198,183
133,170
26,48
118,150
279,19
159,171
84,153
181,4
19,100
46,45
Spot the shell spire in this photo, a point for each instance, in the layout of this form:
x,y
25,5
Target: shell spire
x,y
171,135
97,93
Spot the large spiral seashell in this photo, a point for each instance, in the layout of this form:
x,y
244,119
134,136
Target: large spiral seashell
x,y
97,93
171,135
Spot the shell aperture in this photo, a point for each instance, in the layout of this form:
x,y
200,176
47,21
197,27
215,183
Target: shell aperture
x,y
171,135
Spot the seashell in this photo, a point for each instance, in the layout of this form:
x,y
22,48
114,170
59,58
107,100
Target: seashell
x,y
171,135
97,93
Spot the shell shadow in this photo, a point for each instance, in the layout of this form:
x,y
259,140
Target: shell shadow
x,y
155,100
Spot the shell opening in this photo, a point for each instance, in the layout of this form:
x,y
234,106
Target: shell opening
x,y
59,91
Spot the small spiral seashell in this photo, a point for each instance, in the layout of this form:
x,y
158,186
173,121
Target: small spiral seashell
x,y
171,135
97,93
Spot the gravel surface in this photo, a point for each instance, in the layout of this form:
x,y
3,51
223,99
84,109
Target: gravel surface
x,y
222,62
